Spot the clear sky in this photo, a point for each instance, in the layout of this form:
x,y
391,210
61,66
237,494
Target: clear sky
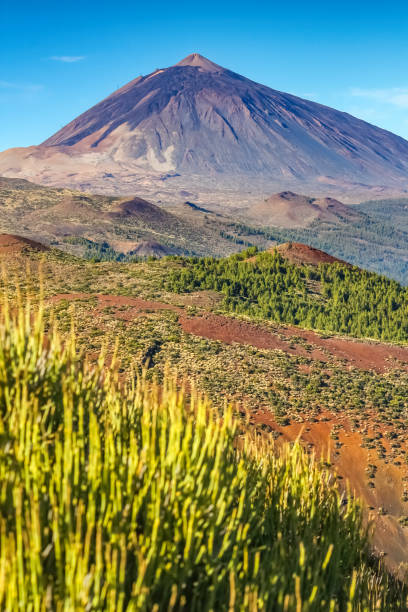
x,y
59,58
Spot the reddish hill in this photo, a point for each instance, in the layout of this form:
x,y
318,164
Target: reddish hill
x,y
10,244
288,209
141,210
298,253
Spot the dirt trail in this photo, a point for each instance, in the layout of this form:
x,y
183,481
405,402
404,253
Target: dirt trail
x,y
363,355
105,301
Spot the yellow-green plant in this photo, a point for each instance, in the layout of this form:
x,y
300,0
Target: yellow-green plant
x,y
137,498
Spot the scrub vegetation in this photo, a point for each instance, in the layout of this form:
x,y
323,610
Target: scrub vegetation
x,y
116,497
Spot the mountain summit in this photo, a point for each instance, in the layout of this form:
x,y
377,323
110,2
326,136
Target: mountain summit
x,y
195,59
197,119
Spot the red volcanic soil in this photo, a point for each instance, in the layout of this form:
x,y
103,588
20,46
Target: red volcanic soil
x,y
364,355
10,244
120,300
299,253
226,329
350,461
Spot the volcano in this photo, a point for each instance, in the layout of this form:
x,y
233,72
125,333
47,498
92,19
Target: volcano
x,y
198,123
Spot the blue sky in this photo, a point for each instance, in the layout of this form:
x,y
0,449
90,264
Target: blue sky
x,y
57,61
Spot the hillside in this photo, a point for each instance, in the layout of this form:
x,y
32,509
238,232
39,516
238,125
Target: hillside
x,y
332,297
372,235
12,244
303,254
199,127
345,396
395,209
102,227
111,228
291,210
96,476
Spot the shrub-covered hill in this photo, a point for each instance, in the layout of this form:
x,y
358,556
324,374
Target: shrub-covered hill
x,y
132,499
330,297
291,380
106,228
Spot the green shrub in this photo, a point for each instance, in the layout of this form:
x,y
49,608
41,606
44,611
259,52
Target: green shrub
x,y
136,498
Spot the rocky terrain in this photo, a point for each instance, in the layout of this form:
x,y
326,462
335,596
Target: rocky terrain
x,y
110,227
11,244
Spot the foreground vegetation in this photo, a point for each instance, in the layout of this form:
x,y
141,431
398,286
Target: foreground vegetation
x,y
330,297
136,498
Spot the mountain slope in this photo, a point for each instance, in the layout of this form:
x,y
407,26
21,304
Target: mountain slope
x,y
12,244
346,399
334,297
373,235
158,454
383,211
197,118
